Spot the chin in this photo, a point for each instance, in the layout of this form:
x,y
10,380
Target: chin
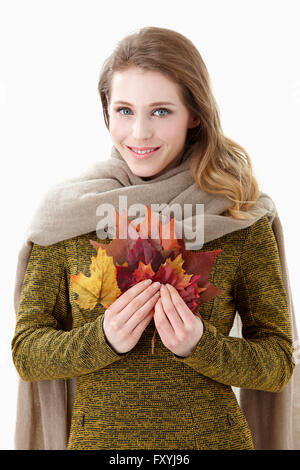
x,y
144,174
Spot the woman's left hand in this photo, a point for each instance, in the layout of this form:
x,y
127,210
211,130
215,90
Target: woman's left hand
x,y
179,328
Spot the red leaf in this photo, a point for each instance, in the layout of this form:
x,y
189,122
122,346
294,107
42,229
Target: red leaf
x,y
161,258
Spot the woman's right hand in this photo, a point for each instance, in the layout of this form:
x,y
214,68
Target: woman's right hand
x,y
127,317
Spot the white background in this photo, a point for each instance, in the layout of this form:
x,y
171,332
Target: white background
x,y
52,126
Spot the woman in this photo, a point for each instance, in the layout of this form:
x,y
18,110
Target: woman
x,y
156,97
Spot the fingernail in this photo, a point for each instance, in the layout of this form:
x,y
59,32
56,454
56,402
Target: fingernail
x,y
156,284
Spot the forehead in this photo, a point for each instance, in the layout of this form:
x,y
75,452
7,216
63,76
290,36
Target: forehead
x,y
139,85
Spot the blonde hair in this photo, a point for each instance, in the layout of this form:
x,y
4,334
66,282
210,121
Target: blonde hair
x,y
219,165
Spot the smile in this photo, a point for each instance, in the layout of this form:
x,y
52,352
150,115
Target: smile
x,y
142,154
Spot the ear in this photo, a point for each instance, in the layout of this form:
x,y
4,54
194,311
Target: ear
x,y
194,121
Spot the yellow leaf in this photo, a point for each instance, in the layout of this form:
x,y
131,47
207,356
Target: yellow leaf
x,y
176,265
102,284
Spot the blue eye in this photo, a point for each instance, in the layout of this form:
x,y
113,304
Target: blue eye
x,y
121,109
158,109
163,109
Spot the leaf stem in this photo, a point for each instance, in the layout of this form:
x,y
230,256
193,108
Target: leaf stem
x,y
152,341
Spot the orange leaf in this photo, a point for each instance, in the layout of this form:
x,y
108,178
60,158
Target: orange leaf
x,y
144,271
165,233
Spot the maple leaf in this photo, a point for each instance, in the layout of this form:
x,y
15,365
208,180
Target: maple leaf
x,y
143,271
137,257
201,263
119,248
164,233
101,286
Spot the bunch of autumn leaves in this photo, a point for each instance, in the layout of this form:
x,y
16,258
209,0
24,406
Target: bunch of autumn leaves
x,y
126,261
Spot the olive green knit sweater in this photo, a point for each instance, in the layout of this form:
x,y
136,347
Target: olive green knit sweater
x,y
142,401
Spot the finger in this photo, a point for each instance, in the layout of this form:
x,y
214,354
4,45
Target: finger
x,y
170,310
183,310
141,313
122,301
138,302
138,330
162,323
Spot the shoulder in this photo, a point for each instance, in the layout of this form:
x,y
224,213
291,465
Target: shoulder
x,y
47,256
260,250
260,234
261,225
83,239
63,251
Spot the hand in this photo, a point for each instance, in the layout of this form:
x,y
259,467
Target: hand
x,y
127,317
179,328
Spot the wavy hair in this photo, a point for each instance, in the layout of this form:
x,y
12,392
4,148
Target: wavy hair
x,y
219,165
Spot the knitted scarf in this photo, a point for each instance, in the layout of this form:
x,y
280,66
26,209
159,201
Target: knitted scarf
x,y
68,209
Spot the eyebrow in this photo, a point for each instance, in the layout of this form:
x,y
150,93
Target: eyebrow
x,y
157,103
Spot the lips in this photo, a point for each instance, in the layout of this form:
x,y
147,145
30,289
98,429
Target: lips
x,y
145,156
142,148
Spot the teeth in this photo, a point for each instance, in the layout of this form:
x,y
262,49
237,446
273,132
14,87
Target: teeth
x,y
141,152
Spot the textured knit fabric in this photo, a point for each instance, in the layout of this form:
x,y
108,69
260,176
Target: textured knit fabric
x,y
142,401
70,209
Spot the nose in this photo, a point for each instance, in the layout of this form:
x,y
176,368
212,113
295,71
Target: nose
x,y
141,129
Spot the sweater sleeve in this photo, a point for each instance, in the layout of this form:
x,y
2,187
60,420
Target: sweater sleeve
x,y
41,348
262,358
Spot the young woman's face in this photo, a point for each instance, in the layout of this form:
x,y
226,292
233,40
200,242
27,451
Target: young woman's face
x,y
134,121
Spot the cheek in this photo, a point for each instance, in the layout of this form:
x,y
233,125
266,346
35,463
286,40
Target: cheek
x,y
117,129
174,132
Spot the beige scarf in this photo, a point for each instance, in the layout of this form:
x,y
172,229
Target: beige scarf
x,y
44,408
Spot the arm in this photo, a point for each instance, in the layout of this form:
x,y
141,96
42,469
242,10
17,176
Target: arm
x,y
41,349
262,359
